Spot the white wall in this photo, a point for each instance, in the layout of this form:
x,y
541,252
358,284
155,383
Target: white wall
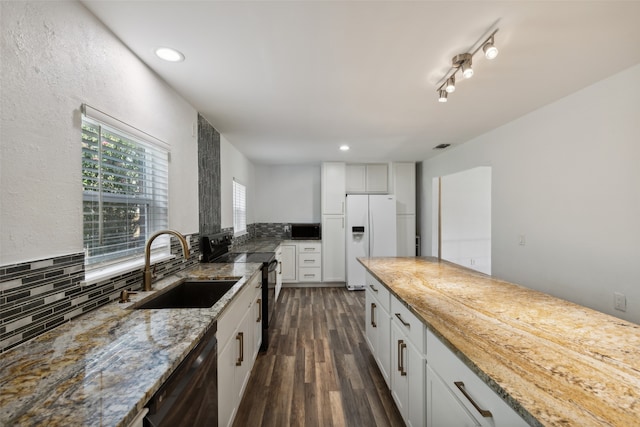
x,y
466,218
56,56
567,177
287,193
234,164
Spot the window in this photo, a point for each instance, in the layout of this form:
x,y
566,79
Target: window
x,y
239,209
125,192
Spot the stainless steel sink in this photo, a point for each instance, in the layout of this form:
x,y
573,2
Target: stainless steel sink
x,y
191,294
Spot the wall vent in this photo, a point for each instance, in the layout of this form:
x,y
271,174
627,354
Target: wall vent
x,y
441,146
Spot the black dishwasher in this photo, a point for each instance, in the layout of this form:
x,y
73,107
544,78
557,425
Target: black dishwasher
x,y
190,396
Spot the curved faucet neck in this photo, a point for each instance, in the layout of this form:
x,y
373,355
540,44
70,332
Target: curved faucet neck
x,y
147,277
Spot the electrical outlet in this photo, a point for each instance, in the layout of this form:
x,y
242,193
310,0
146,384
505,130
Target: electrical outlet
x,y
522,240
286,228
619,301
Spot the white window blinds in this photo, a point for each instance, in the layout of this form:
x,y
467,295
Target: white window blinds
x,y
239,208
125,191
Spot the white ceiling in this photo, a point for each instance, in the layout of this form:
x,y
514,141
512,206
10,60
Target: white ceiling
x,y
288,82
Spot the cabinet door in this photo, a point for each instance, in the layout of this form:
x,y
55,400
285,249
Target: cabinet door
x,y
406,235
256,314
404,187
289,266
244,362
384,344
407,377
333,188
416,395
399,378
377,178
371,327
333,248
443,408
356,178
227,357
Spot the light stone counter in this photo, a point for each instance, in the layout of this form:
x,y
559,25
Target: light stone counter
x,y
101,368
556,363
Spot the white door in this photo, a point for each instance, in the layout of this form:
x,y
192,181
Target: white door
x,y
382,225
357,239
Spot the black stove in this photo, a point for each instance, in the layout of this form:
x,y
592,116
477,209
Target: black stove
x,y
215,249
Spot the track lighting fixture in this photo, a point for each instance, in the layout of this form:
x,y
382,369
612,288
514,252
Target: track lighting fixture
x,y
463,63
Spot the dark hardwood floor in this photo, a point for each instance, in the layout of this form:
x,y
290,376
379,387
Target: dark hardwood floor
x,y
318,370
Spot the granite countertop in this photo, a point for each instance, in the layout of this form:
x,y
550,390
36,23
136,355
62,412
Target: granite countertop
x,y
555,362
101,368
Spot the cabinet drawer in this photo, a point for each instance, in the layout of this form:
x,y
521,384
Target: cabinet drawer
x,y
452,370
309,274
309,248
412,327
233,313
309,260
380,292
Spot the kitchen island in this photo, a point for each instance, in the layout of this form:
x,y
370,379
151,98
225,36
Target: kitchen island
x,y
103,367
554,362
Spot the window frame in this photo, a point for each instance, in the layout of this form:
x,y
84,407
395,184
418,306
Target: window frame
x,y
239,206
153,173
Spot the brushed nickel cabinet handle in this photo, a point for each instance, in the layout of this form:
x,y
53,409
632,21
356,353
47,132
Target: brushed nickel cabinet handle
x,y
403,346
373,315
484,412
400,367
408,325
259,319
240,337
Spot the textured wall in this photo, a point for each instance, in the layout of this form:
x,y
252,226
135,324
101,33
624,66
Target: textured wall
x,y
208,177
55,56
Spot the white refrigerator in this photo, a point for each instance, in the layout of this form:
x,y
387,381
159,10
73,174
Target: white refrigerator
x,y
371,232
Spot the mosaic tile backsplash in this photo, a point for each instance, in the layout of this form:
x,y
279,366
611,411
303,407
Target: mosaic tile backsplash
x,y
40,295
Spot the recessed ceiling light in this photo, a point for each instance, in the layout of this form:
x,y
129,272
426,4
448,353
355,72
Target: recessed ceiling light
x,y
169,54
344,147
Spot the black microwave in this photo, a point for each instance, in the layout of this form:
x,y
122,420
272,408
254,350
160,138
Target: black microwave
x,y
305,232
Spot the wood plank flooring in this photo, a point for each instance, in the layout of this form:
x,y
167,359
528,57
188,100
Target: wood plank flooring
x,y
318,370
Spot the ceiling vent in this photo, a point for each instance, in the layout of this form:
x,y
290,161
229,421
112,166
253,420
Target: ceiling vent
x,y
441,146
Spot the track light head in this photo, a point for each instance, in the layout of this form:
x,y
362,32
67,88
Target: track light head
x,y
463,62
443,96
450,86
489,49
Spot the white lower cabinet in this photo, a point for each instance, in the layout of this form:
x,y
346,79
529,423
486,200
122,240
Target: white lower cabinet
x,y
333,248
288,264
466,394
443,408
237,348
407,367
378,327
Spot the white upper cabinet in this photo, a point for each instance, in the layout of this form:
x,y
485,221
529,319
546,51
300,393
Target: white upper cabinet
x,y
367,178
333,188
404,187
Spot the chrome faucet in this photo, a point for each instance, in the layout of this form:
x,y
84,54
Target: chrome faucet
x,y
146,284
